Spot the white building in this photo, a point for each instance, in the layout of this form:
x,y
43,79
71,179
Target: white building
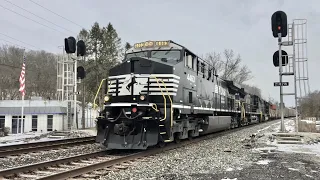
x,y
40,116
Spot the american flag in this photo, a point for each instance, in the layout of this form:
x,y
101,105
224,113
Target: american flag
x,y
22,77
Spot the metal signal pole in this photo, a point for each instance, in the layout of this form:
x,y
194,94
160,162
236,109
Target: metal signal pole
x,y
281,87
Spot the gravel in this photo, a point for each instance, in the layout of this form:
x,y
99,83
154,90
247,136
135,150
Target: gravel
x,y
31,158
225,153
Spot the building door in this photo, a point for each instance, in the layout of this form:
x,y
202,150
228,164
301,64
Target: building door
x,y
17,123
14,126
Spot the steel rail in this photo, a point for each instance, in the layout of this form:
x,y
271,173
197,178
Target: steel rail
x,y
43,145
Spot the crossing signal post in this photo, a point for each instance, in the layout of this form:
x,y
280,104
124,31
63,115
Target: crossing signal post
x,y
279,30
71,47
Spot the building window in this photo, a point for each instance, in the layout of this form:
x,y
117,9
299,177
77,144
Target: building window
x,y
34,123
2,120
49,122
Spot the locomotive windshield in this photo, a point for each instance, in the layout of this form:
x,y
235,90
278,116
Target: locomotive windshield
x,y
168,56
137,54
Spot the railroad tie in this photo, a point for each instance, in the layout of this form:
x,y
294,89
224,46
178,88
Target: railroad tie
x,y
29,176
79,163
112,169
64,165
120,167
99,172
89,175
55,168
44,172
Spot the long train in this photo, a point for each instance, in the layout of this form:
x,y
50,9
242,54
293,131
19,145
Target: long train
x,y
162,92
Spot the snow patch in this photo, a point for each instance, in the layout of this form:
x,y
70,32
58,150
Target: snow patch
x,y
293,169
308,121
264,162
296,148
229,179
229,169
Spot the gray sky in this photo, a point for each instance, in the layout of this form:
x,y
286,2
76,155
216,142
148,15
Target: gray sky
x,y
212,25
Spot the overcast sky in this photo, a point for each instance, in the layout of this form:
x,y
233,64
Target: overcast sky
x,y
205,26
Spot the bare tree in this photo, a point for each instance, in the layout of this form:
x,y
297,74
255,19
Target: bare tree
x,y
310,105
230,68
40,73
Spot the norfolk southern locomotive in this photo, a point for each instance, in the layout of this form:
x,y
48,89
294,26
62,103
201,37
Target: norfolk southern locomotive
x,y
162,92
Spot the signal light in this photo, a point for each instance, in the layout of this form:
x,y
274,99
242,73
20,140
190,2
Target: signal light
x,y
279,24
134,110
81,73
284,58
70,45
81,48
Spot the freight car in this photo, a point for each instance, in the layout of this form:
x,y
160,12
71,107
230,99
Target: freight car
x,y
162,92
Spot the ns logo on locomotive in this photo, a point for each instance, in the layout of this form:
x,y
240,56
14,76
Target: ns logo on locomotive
x,y
162,92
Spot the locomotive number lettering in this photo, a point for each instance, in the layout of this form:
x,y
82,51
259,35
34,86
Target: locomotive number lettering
x,y
191,78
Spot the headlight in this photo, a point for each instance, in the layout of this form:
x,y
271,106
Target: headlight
x,y
142,97
106,98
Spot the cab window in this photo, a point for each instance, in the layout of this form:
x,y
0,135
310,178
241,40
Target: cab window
x,y
169,56
189,60
136,54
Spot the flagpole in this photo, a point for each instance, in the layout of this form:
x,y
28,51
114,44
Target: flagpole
x,y
22,119
22,106
22,90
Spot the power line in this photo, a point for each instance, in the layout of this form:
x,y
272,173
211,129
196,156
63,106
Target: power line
x,y
31,19
19,40
57,14
39,17
15,44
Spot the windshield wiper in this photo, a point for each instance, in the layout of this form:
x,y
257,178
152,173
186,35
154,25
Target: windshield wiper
x,y
156,51
168,51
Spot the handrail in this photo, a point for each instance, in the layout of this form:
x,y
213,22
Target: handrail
x,y
164,99
94,101
171,108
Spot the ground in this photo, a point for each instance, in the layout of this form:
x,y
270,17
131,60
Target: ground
x,y
248,154
34,136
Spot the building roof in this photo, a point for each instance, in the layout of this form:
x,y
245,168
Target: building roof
x,y
33,110
33,103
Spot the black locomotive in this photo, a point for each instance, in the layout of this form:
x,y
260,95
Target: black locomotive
x,y
162,92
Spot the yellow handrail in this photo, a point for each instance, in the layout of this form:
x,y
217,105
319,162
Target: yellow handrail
x,y
164,99
171,123
94,101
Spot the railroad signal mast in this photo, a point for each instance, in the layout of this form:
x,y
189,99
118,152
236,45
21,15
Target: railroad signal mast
x,y
287,64
71,47
279,30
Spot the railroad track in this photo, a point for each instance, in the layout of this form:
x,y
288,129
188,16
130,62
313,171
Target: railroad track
x,y
19,149
88,165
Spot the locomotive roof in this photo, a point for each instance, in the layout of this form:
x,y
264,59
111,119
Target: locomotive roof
x,y
161,45
168,45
